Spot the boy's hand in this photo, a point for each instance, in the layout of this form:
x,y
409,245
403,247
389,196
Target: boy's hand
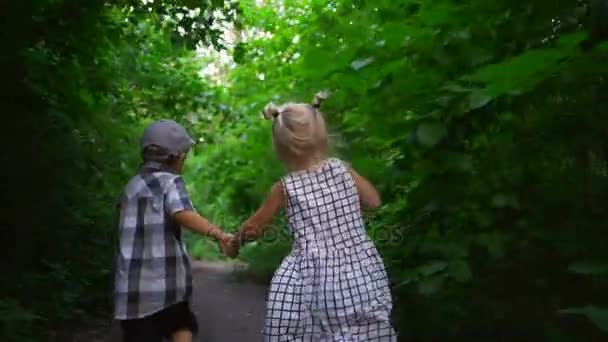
x,y
229,246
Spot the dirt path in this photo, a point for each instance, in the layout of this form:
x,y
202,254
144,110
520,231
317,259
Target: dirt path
x,y
228,310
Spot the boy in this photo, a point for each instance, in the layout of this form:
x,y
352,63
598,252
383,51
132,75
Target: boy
x,y
153,282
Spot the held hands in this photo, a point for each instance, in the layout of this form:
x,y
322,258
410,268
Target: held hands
x,y
229,246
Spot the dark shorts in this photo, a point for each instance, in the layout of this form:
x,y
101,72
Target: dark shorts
x,y
160,325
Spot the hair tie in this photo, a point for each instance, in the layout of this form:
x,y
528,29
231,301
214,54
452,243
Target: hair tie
x,y
271,111
319,98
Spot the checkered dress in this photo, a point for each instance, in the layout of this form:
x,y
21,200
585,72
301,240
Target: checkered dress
x,y
333,285
152,267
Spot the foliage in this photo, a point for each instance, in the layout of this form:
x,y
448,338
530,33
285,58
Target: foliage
x,y
482,124
83,80
191,22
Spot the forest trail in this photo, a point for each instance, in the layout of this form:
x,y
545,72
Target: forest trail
x,y
228,309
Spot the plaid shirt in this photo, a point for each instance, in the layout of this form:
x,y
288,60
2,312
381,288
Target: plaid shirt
x,y
152,266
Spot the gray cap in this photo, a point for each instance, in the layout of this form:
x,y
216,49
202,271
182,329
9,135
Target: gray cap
x,y
168,135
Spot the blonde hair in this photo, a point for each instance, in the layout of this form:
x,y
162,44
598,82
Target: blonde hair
x,y
299,132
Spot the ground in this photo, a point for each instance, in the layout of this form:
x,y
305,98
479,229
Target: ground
x,y
228,309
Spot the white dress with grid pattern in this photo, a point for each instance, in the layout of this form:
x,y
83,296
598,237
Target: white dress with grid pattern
x,y
333,285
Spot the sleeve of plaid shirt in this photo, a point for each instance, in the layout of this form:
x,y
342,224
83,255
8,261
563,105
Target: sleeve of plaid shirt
x,y
177,197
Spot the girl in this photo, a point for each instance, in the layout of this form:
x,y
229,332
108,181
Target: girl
x,y
333,285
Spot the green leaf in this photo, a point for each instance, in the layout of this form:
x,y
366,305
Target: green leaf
x,y
430,133
460,270
461,34
361,63
500,200
394,34
478,99
588,268
239,53
430,286
525,71
459,161
433,267
494,243
317,61
603,47
456,88
599,316
572,40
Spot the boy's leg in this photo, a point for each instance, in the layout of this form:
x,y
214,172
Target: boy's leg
x,y
179,323
140,330
182,336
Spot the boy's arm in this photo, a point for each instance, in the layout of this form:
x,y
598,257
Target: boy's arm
x,y
255,226
367,193
180,208
195,222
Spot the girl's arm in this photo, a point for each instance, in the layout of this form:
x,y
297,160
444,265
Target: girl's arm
x,y
368,195
255,226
